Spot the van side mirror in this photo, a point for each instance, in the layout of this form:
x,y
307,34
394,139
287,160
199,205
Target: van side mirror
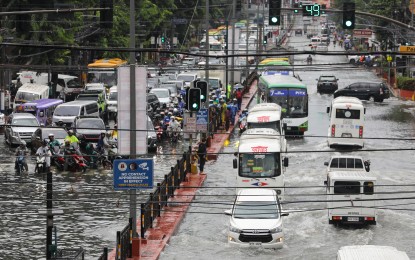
x,y
285,162
325,183
284,214
328,110
284,126
41,114
326,163
235,163
364,111
228,212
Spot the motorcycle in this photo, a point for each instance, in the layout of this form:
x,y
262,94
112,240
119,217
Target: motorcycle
x,y
40,164
159,133
75,161
20,164
174,133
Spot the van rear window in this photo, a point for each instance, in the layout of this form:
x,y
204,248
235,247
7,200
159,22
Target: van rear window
x,y
347,113
355,163
346,187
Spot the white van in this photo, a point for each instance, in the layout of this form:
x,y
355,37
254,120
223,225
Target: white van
x,y
351,197
347,119
29,92
67,112
370,252
187,78
255,219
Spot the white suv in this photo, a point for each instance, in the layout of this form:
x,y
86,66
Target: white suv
x,y
255,219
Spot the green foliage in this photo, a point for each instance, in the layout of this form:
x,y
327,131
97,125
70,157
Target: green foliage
x,y
405,83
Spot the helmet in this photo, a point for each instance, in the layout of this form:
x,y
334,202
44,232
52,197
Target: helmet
x,y
115,126
175,110
51,135
45,142
67,142
162,113
70,131
170,113
103,133
23,142
172,117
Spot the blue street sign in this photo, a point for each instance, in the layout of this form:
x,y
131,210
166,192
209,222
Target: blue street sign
x,y
133,174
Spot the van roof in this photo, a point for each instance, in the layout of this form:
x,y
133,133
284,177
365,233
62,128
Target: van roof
x,y
351,175
370,252
346,156
256,194
352,100
30,87
263,116
255,133
78,102
265,107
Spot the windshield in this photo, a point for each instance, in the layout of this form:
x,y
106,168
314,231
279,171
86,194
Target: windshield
x,y
259,165
25,122
328,78
293,101
273,125
87,97
88,123
27,96
74,83
160,93
67,111
109,78
215,47
186,78
256,210
113,96
213,83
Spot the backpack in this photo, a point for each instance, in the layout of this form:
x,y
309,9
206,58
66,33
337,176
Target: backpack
x,y
238,94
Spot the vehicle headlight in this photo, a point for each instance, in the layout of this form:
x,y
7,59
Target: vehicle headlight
x,y
276,230
234,229
15,133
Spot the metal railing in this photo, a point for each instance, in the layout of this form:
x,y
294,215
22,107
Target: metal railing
x,y
104,255
69,254
157,200
124,242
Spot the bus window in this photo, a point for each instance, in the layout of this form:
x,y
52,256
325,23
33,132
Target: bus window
x,y
346,187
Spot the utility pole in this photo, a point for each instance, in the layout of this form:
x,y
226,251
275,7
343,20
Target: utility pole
x,y
133,133
257,35
233,41
247,38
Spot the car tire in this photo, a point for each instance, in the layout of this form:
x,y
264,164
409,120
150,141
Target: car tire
x,y
352,61
371,98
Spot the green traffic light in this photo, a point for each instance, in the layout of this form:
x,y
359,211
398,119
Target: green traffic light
x,y
195,106
274,19
348,23
295,11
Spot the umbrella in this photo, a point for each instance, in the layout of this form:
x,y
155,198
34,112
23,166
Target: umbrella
x,y
238,86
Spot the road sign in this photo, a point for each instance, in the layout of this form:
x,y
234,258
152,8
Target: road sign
x,y
133,174
362,33
190,124
202,120
404,48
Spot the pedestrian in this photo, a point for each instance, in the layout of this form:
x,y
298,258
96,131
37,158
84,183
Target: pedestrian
x,y
201,153
238,96
228,118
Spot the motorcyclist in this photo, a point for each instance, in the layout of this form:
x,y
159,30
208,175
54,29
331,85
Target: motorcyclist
x,y
114,133
309,59
44,151
22,151
73,141
174,125
103,144
54,145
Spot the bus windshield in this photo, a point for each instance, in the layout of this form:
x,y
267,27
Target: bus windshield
x,y
26,96
259,165
273,125
109,78
293,101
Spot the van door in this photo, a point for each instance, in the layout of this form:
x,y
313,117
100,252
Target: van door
x,y
347,199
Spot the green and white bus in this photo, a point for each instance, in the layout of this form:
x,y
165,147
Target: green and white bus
x,y
288,92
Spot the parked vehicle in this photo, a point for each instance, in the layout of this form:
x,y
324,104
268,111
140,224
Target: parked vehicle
x,y
88,129
66,113
187,77
20,126
327,84
153,100
94,95
255,219
372,91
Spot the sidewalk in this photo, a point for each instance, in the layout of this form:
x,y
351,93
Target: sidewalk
x,y
167,224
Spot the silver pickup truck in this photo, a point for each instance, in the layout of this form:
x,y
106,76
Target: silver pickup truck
x,y
347,163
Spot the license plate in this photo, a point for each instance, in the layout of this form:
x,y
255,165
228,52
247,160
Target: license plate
x,y
353,219
255,243
347,135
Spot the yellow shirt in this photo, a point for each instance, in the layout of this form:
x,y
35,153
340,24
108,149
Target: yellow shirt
x,y
72,139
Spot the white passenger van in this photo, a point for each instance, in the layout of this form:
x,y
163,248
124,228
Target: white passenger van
x,y
261,163
351,197
112,102
187,77
255,219
267,115
347,119
29,92
370,252
347,163
67,112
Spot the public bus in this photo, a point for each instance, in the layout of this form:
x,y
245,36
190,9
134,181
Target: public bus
x,y
260,162
105,71
276,66
288,92
42,109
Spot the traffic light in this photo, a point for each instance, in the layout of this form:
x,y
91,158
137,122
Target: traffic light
x,y
348,15
163,39
203,86
194,99
296,8
274,12
265,40
106,16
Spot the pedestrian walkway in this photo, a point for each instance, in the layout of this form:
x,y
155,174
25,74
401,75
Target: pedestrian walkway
x,y
166,225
